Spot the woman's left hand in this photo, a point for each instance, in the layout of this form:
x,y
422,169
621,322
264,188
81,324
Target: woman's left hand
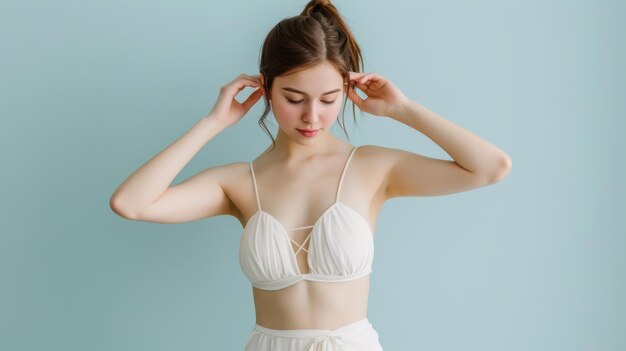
x,y
383,98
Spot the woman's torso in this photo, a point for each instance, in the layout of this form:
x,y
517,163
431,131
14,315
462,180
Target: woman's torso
x,y
297,196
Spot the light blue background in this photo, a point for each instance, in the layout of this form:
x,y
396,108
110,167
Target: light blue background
x,y
92,90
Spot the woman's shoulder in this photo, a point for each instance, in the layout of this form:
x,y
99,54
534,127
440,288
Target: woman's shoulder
x,y
230,175
375,155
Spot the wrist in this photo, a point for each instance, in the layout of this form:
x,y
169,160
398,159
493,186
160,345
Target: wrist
x,y
400,109
214,121
212,125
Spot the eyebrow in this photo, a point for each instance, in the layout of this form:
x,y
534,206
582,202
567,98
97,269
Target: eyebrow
x,y
305,94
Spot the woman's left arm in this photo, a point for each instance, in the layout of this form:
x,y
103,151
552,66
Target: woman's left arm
x,y
469,151
476,162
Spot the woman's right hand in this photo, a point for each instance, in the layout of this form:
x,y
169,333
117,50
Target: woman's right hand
x,y
227,109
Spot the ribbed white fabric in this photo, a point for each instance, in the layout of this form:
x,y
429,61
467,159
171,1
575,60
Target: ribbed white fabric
x,y
341,246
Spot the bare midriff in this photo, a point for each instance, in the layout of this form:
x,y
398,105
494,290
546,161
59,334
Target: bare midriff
x,y
312,305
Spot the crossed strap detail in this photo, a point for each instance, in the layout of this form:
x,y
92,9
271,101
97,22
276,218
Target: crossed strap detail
x,y
301,246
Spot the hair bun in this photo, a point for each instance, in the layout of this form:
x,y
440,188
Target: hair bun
x,y
316,6
320,2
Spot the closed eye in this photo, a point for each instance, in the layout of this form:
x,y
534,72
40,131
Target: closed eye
x,y
299,101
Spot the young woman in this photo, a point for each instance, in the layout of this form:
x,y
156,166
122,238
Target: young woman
x,y
308,203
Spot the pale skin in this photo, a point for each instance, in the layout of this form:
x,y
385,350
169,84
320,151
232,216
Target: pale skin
x,y
298,179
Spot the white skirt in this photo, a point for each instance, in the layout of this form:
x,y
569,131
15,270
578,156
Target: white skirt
x,y
359,335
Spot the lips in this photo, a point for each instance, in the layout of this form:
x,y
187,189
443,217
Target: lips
x,y
308,132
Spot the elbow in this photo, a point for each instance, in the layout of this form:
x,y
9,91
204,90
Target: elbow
x,y
118,208
504,167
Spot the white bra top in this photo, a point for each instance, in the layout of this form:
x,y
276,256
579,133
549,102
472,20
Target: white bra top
x,y
341,246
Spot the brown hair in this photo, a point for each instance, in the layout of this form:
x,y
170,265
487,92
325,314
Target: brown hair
x,y
318,34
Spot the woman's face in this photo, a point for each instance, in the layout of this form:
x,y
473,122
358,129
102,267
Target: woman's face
x,y
309,99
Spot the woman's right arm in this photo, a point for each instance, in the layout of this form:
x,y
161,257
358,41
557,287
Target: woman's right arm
x,y
146,195
138,197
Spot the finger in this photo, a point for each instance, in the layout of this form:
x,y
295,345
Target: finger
x,y
370,84
255,78
240,84
355,98
252,99
362,86
356,75
367,78
249,76
245,78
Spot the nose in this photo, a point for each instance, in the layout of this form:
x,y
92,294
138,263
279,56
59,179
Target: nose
x,y
311,113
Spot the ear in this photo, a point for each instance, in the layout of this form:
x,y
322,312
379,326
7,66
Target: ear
x,y
346,83
262,79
